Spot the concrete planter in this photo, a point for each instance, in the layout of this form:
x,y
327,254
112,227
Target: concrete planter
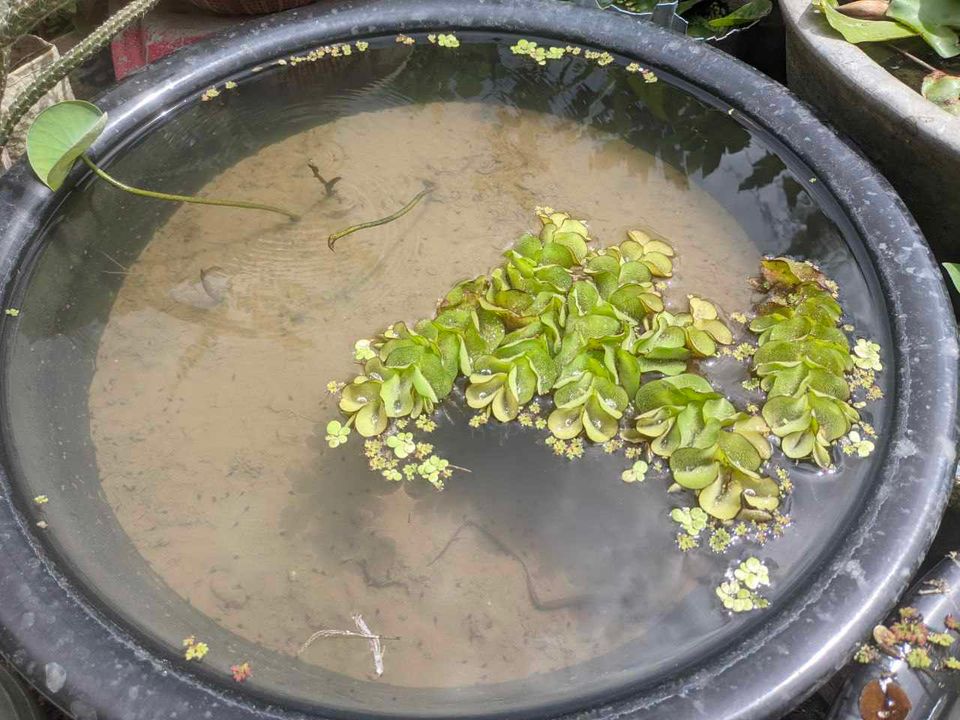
x,y
912,141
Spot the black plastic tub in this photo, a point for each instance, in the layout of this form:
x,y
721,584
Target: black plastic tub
x,y
88,620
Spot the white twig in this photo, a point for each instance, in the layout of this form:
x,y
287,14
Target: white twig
x,y
376,647
333,633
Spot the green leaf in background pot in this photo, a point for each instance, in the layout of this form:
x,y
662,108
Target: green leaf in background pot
x,y
682,7
944,90
858,31
953,270
743,15
935,20
59,135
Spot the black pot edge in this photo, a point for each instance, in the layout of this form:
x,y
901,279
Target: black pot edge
x,y
41,615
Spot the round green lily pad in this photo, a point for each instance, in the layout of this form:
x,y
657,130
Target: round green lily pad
x,y
59,135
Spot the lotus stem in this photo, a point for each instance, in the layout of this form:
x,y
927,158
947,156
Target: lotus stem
x,y
76,56
184,198
382,221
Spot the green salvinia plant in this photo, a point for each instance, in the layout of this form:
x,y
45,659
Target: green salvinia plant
x,y
674,412
587,328
661,346
62,134
588,399
713,449
666,341
723,467
802,360
556,317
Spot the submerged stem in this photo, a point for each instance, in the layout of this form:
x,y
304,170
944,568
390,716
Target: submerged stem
x,y
185,198
382,221
914,58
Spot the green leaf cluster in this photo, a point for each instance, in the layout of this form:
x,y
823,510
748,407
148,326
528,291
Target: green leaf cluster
x,y
802,361
556,317
713,449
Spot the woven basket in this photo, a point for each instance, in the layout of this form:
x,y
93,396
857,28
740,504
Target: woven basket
x,y
247,7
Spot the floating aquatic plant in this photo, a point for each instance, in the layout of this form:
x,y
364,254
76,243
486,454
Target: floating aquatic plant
x,y
577,340
713,448
692,520
241,672
194,649
588,327
739,592
802,360
635,473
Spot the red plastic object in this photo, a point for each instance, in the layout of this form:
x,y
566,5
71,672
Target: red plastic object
x,y
168,27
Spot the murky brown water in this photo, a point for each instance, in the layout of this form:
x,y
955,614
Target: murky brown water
x,y
208,420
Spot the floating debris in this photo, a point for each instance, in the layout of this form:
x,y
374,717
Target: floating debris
x,y
328,185
241,672
376,647
363,632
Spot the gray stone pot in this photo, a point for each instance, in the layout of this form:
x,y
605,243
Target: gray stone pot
x,y
913,142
